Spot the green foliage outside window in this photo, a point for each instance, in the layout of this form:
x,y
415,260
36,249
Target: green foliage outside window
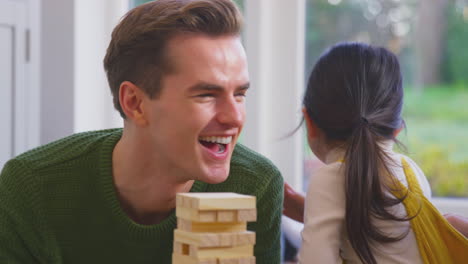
x,y
435,113
436,137
455,67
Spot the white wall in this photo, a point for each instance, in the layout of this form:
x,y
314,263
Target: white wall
x,y
57,67
73,36
33,73
274,39
20,68
7,79
68,42
94,21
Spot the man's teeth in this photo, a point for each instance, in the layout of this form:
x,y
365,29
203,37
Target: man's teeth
x,y
219,140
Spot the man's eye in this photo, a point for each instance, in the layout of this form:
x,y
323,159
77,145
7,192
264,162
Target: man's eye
x,y
205,95
240,94
240,97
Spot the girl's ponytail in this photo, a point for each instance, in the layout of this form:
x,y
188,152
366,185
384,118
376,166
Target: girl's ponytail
x,y
364,164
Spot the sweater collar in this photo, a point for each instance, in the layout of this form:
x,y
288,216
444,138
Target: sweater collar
x,y
125,224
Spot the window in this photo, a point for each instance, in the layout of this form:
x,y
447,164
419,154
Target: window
x,y
430,41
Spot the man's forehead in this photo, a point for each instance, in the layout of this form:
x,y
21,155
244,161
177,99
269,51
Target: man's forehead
x,y
197,49
206,62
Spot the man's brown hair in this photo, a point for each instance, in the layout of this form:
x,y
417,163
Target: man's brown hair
x,y
136,52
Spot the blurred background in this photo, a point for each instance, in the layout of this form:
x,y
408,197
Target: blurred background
x,y
430,39
54,85
53,82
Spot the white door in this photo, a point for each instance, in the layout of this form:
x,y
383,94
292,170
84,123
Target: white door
x,y
12,78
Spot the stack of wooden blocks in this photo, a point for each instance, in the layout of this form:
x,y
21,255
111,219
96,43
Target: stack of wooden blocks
x,y
212,228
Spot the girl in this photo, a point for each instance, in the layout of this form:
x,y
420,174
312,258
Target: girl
x,y
365,203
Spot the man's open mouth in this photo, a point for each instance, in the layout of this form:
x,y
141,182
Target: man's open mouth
x,y
215,144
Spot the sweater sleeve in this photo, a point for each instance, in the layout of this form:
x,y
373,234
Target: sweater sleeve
x,y
323,217
20,237
268,224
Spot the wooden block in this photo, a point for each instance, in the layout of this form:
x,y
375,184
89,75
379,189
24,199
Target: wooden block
x,y
194,251
243,260
216,216
188,214
195,215
197,239
185,225
207,216
181,248
186,202
227,216
216,201
227,239
181,259
218,227
204,240
248,260
247,238
224,252
180,201
228,261
247,215
178,248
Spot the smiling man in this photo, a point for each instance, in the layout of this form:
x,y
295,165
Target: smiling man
x,y
178,75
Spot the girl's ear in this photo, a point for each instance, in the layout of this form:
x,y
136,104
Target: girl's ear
x,y
397,131
312,130
131,100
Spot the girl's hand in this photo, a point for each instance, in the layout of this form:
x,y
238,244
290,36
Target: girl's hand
x,y
459,222
293,206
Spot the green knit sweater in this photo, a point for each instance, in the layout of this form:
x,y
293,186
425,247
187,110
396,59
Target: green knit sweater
x,y
58,204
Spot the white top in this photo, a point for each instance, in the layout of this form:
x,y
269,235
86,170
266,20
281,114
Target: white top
x,y
324,239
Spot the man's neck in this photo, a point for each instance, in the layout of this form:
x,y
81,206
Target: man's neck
x,y
146,193
150,205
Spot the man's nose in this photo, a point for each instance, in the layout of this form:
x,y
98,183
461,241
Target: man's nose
x,y
231,112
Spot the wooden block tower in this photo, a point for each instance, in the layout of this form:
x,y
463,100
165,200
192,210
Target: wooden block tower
x,y
212,228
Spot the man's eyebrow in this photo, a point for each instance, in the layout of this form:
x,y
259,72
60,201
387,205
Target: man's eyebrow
x,y
212,87
205,87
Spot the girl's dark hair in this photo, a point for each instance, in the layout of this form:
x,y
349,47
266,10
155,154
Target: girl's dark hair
x,y
355,96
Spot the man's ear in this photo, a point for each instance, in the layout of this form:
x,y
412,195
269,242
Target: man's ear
x,y
131,100
312,129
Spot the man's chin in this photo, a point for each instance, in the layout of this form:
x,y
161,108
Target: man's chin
x,y
216,176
